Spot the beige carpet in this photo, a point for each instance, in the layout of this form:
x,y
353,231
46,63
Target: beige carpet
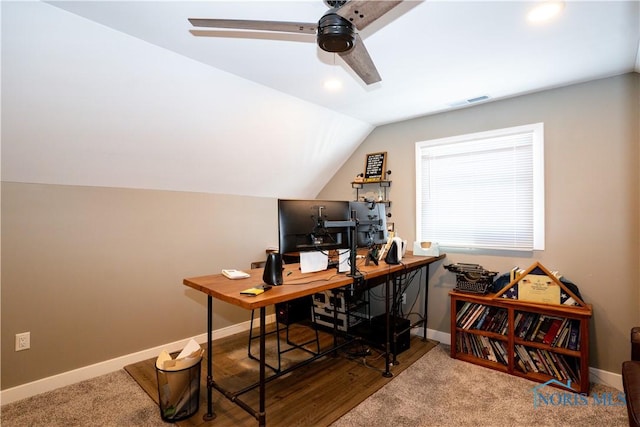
x,y
440,391
434,391
110,400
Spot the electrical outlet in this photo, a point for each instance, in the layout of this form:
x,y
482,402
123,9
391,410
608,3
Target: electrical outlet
x,y
23,341
404,298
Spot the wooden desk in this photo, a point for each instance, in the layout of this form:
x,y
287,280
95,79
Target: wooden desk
x,y
296,285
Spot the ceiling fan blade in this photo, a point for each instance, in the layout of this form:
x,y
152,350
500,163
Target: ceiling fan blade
x,y
359,60
254,35
242,24
362,12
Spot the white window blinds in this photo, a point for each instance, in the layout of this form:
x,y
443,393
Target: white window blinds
x,y
483,190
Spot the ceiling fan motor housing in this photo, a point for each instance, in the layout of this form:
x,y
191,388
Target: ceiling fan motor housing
x,y
335,33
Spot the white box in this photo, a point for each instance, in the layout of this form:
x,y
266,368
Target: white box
x,y
426,249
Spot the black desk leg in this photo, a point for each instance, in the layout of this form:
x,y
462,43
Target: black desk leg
x,y
262,415
335,320
387,372
426,302
210,415
395,315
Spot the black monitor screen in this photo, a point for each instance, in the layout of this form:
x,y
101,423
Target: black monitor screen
x,y
301,225
372,223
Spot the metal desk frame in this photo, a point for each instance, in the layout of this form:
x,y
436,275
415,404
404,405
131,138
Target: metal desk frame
x,y
295,285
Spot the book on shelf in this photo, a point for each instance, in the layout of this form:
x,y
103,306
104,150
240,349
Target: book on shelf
x,y
529,322
463,310
482,317
574,334
499,322
537,361
541,328
554,327
525,358
482,347
500,351
485,318
552,367
568,335
544,328
488,348
463,317
472,316
553,364
517,322
560,333
531,336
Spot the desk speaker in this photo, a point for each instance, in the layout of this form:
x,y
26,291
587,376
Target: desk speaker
x,y
273,270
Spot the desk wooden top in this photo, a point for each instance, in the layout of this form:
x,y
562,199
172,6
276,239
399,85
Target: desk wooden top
x,y
296,284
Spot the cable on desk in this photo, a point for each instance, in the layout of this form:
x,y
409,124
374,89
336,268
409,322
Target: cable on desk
x,y
326,279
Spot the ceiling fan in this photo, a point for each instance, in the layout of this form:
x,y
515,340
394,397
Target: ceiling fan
x,y
336,31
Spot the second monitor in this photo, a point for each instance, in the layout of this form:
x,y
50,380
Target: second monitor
x,y
371,221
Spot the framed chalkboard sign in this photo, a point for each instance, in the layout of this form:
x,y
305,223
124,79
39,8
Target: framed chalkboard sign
x,y
375,167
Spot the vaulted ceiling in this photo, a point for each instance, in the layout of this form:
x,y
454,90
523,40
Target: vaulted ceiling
x,y
122,93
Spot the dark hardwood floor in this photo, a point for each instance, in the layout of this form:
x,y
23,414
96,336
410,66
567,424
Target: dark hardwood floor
x,y
314,395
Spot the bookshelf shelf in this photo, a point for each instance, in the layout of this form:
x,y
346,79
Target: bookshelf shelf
x,y
536,341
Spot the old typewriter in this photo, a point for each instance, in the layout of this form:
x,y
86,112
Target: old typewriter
x,y
472,278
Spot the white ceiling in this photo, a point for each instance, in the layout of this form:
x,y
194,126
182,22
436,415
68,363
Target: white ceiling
x,y
121,94
432,55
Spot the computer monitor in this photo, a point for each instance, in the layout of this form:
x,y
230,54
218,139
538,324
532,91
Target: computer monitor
x,y
302,225
371,223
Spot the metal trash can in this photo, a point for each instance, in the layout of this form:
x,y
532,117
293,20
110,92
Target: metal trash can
x,y
179,392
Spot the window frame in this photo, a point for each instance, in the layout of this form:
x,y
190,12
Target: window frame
x,y
538,208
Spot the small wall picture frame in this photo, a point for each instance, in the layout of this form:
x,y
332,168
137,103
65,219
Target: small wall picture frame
x,y
375,167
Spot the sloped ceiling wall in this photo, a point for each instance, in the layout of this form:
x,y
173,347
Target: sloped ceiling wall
x,y
83,104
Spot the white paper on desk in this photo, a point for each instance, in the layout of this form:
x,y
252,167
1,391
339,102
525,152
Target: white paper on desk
x,y
344,264
313,261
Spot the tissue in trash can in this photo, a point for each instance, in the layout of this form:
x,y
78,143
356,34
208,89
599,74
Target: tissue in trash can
x,y
171,383
189,356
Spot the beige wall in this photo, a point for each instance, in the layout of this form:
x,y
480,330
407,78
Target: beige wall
x,y
592,159
96,273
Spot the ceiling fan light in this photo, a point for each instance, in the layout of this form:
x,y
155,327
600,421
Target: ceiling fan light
x,y
333,84
335,34
545,11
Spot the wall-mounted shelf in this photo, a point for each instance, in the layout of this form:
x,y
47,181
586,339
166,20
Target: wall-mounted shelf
x,y
360,184
383,184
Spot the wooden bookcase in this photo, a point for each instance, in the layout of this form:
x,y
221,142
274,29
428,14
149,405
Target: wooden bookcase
x,y
498,341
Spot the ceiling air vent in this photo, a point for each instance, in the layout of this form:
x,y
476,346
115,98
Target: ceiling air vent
x,y
469,101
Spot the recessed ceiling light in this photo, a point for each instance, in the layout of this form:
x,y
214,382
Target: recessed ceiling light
x,y
333,84
545,11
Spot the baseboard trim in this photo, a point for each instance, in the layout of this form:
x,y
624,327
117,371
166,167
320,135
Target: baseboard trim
x,y
87,372
607,378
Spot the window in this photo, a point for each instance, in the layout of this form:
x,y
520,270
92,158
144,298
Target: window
x,y
483,190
